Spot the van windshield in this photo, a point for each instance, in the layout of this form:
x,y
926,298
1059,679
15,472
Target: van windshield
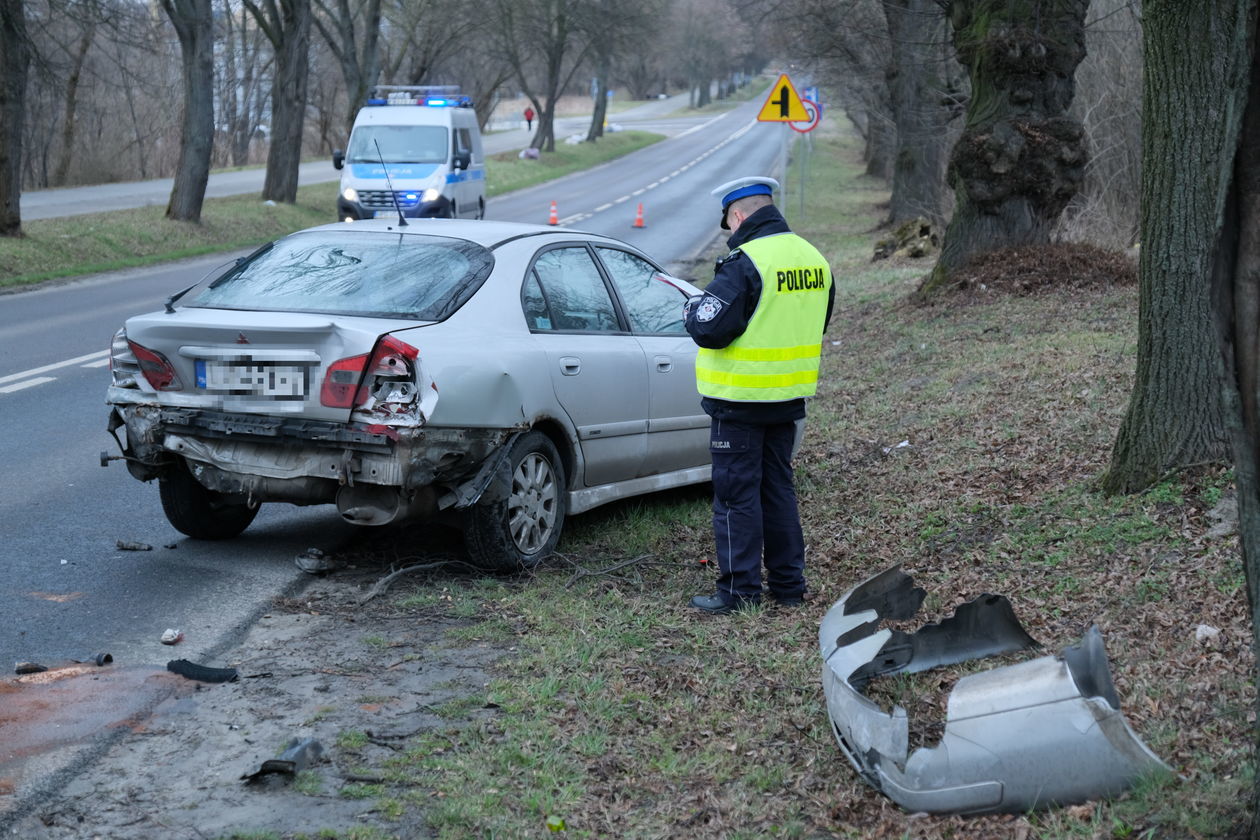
x,y
399,144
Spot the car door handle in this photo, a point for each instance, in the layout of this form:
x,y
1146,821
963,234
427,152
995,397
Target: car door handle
x,y
570,365
664,364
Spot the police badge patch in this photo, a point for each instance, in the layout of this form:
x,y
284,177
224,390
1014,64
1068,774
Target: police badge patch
x,y
708,309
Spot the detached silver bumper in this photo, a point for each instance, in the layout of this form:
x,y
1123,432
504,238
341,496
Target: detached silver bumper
x,y
1039,733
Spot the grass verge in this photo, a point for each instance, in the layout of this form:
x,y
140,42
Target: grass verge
x,y
506,172
625,714
96,242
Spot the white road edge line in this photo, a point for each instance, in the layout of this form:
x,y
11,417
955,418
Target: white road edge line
x,y
30,383
78,360
99,363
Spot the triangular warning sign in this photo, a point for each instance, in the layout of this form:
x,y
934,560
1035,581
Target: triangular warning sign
x,y
783,104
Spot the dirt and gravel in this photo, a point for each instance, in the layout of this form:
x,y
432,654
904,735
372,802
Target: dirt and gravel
x,y
357,677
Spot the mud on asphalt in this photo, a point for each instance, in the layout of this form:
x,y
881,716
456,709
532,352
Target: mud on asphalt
x,y
129,752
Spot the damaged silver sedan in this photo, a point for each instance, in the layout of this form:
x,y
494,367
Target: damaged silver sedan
x,y
1038,733
506,375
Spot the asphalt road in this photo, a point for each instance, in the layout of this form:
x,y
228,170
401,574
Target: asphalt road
x,y
69,592
73,201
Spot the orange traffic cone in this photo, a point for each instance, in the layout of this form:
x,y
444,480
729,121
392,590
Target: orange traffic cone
x,y
553,219
638,216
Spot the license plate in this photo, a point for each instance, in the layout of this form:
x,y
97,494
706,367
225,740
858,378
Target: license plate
x,y
258,379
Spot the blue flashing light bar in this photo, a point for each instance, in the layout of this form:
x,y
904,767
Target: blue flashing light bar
x,y
431,96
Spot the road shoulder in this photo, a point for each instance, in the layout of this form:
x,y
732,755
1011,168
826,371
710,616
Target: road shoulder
x,y
361,679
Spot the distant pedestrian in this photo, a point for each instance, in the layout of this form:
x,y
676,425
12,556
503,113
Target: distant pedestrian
x,y
529,118
759,325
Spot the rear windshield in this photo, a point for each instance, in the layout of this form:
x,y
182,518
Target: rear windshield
x,y
412,276
398,144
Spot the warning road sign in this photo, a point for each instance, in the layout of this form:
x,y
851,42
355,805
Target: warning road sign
x,y
783,104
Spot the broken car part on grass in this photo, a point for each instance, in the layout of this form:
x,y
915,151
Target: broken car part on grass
x,y
297,756
1044,732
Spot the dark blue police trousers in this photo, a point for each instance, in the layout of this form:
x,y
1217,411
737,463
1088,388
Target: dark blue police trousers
x,y
754,507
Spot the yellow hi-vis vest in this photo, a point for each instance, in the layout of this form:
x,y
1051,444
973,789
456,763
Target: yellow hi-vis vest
x,y
776,359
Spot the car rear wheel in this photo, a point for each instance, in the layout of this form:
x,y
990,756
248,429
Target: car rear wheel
x,y
517,523
198,512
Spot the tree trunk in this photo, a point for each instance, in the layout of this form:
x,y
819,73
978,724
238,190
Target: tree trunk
x,y
596,130
194,24
14,59
287,24
1021,158
1236,298
62,170
915,82
881,141
1192,104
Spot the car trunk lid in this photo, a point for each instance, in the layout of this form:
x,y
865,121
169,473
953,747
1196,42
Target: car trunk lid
x,y
258,362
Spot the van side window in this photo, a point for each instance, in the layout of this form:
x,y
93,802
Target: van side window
x,y
463,140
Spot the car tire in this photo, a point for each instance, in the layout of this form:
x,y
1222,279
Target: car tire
x,y
518,521
481,208
197,511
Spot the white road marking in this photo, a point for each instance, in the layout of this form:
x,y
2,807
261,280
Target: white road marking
x,y
639,192
601,208
30,383
99,363
77,360
623,198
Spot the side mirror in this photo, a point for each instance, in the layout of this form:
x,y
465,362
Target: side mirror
x,y
462,160
339,158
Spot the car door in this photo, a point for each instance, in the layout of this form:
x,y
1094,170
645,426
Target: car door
x,y
678,429
597,367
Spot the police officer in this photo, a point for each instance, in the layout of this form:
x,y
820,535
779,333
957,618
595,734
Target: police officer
x,y
759,325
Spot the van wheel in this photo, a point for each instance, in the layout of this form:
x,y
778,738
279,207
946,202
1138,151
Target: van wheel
x,y
197,511
452,212
481,208
518,521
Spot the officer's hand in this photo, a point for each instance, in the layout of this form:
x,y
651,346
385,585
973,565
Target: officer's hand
x,y
687,305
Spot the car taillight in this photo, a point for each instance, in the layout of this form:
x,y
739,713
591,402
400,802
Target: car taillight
x,y
160,373
392,362
341,381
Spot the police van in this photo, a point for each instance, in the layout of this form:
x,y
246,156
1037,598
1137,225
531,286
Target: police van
x,y
414,149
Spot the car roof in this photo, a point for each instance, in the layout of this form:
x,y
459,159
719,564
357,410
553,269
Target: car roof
x,y
482,232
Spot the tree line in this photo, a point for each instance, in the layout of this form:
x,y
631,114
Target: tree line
x,y
96,91
1017,122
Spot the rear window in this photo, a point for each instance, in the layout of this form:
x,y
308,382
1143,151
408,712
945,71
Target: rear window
x,y
418,277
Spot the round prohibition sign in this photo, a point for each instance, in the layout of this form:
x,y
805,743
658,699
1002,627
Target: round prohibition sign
x,y
815,112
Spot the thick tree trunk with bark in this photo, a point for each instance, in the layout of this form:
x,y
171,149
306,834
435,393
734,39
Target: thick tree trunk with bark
x,y
918,88
881,144
14,60
287,24
1021,158
194,24
1236,298
1192,105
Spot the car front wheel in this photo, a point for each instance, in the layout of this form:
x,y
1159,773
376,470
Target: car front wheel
x,y
517,523
199,512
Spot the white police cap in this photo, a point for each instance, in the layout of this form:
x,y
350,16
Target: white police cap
x,y
733,191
